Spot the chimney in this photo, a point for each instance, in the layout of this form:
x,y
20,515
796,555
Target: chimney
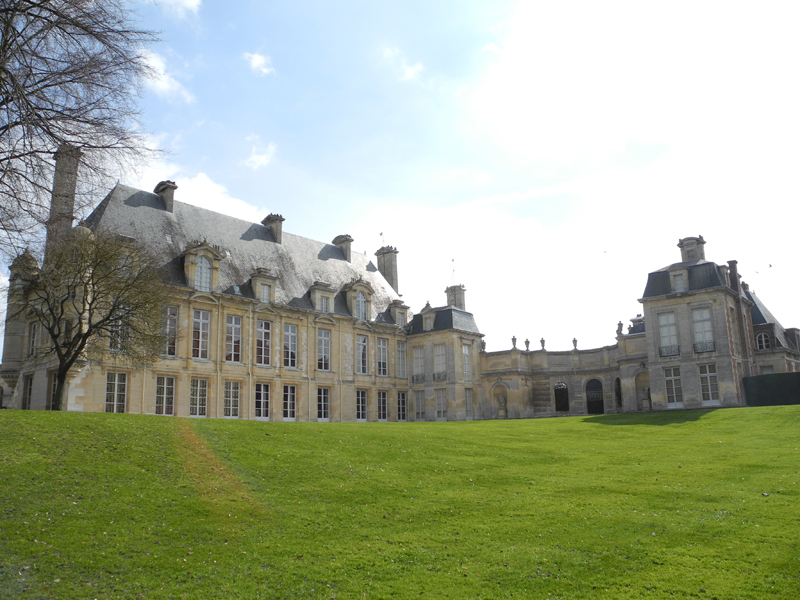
x,y
692,248
275,223
166,189
733,274
343,242
455,296
62,206
387,265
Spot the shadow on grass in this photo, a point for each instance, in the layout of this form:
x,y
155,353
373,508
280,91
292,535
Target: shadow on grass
x,y
672,417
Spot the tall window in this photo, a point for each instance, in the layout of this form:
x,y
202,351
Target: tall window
x,y
441,404
323,403
115,333
763,341
468,402
266,293
323,304
263,341
289,401
231,399
53,388
466,352
262,400
439,363
419,405
198,397
708,383
401,406
401,318
419,364
165,395
703,335
289,345
171,331
27,393
324,350
203,274
401,360
32,328
116,392
679,282
668,332
361,306
672,377
382,406
201,322
361,354
233,339
361,405
383,357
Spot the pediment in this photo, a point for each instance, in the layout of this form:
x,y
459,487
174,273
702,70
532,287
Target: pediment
x,y
363,325
265,308
325,319
203,297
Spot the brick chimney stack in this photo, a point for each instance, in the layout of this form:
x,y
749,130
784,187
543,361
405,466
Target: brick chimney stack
x,y
387,265
275,223
166,189
62,205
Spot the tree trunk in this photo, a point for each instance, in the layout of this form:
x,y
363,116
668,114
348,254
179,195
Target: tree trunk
x,y
61,387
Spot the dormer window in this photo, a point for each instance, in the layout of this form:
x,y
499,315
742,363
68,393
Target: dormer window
x,y
427,324
401,318
361,306
358,294
679,282
203,274
266,293
324,304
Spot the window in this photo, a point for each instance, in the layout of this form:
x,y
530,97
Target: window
x,y
289,402
115,334
231,399
466,351
767,369
201,322
468,402
439,363
323,403
32,339
324,350
116,392
427,323
165,395
171,331
703,335
263,341
763,341
668,333
203,274
401,406
383,357
674,391
27,392
419,405
679,282
361,306
198,397
401,318
262,401
441,404
361,354
382,406
53,389
323,304
708,383
401,360
233,339
289,345
419,365
361,405
266,293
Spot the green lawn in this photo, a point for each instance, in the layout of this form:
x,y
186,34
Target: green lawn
x,y
700,504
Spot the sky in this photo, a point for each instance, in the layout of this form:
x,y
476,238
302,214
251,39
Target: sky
x,y
546,155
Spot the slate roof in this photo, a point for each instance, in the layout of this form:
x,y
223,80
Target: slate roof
x,y
298,262
702,275
445,318
762,316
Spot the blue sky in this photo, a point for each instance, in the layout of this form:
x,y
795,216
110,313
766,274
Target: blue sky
x,y
547,155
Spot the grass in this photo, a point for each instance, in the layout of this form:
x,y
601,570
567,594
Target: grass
x,y
696,504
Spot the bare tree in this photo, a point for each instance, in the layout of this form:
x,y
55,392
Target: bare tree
x,y
70,73
96,297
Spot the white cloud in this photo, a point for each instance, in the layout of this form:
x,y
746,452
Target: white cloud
x,y
259,156
163,84
181,8
405,70
259,63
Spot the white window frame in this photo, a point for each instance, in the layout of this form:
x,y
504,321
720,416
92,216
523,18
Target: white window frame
x,y
402,372
362,364
361,405
667,330
266,293
439,362
165,395
261,401
263,343
466,353
703,328
673,387
383,405
116,392
290,345
201,328
232,395
323,350
709,387
679,282
171,331
419,360
233,339
419,405
402,406
32,330
202,273
289,402
383,357
324,303
323,404
441,404
361,306
763,341
115,335
198,397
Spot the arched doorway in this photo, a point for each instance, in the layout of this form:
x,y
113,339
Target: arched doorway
x,y
643,391
501,401
618,394
562,397
594,397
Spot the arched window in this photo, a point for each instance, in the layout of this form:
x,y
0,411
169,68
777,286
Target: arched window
x,y
361,306
762,340
203,274
562,396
